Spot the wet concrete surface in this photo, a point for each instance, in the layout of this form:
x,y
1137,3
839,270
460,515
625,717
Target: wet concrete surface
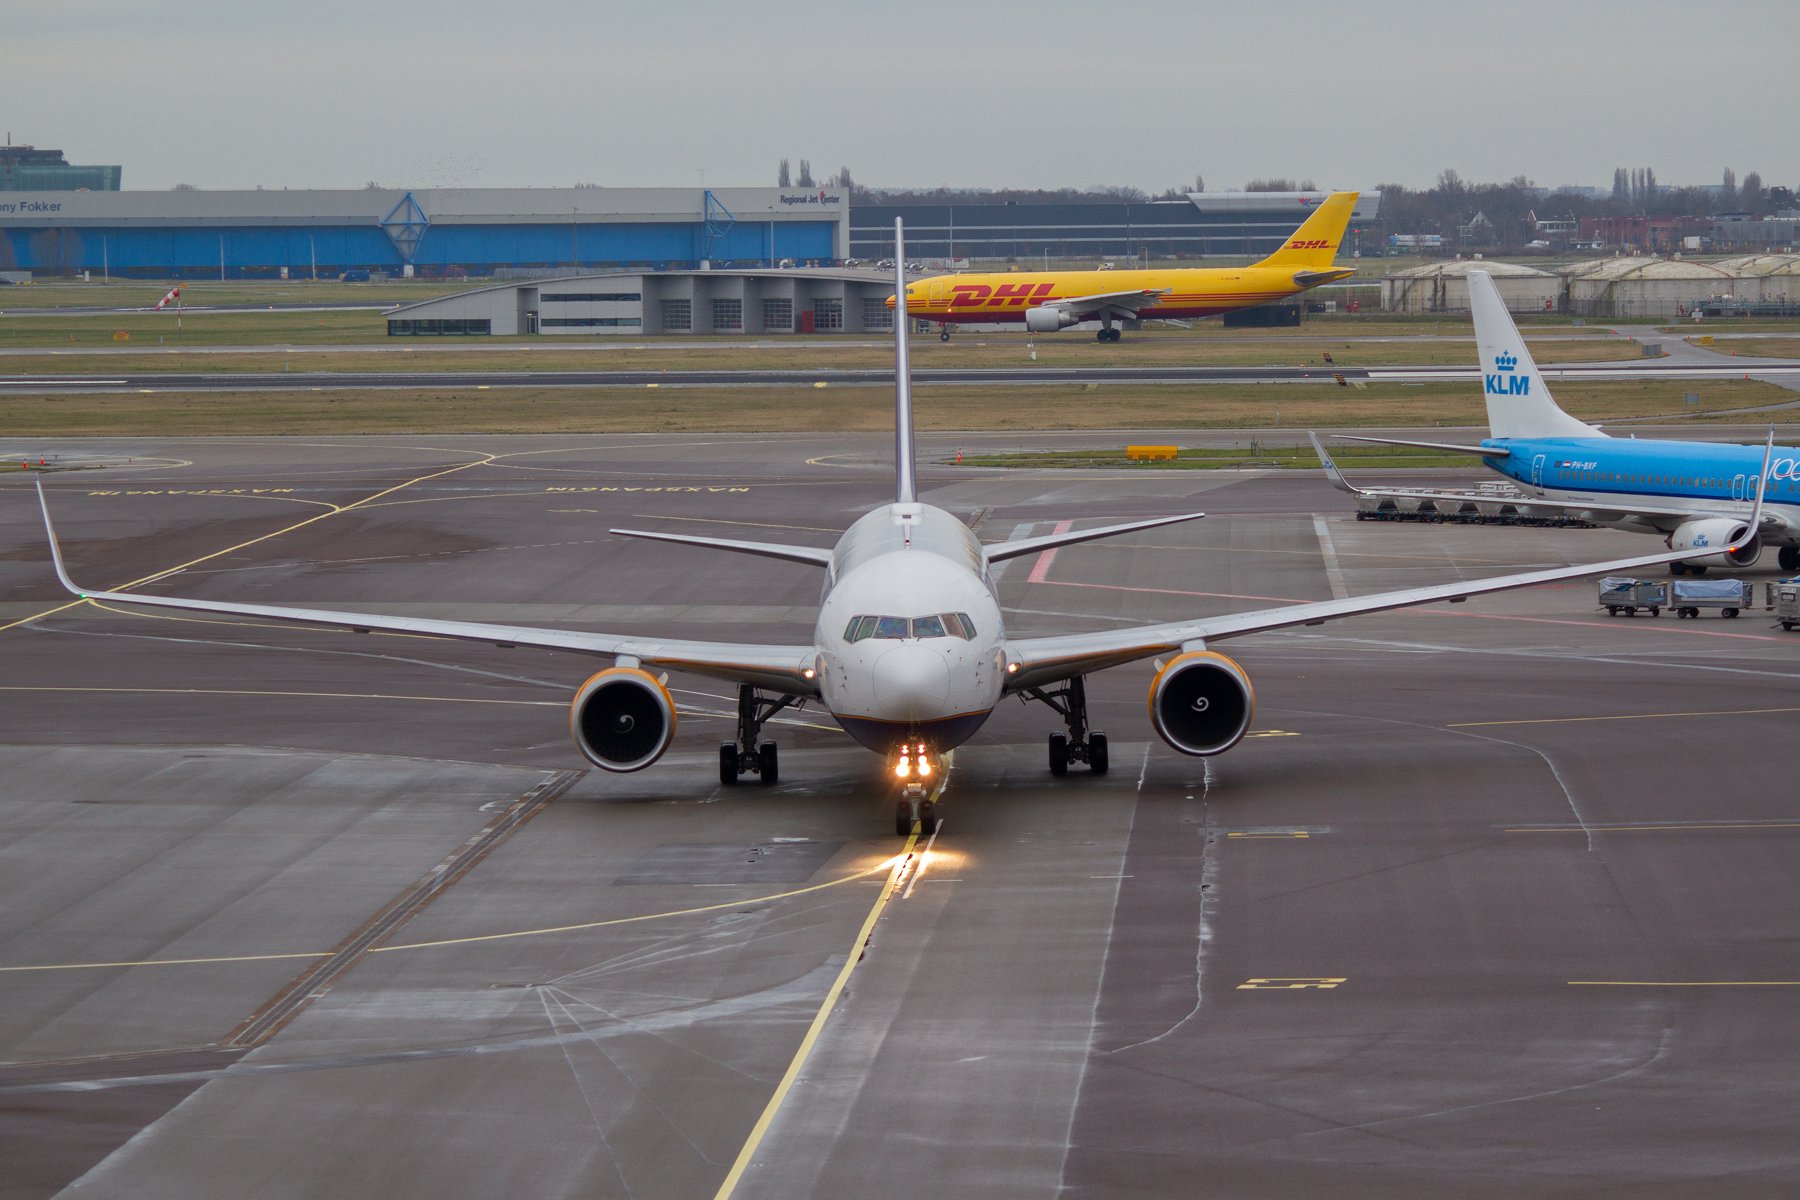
x,y
1496,900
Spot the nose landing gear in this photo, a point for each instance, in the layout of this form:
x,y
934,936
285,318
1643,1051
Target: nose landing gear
x,y
745,756
1078,744
913,765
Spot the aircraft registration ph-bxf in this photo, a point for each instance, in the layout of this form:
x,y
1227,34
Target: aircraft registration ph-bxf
x,y
1045,302
910,653
1694,495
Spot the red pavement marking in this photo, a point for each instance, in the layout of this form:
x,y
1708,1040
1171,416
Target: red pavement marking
x,y
1042,567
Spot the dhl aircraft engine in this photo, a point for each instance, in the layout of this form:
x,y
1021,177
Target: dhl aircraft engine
x,y
1049,320
622,719
1202,703
1721,532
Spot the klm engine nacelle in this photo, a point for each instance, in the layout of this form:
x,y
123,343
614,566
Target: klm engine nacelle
x,y
622,719
1048,320
1720,532
1202,703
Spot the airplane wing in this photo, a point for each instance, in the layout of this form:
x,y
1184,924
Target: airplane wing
x,y
1033,662
786,669
800,554
1124,302
1000,551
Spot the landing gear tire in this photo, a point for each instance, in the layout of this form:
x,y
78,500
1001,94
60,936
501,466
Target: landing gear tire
x,y
928,820
1678,568
1696,569
768,764
1059,755
903,818
1789,558
1107,335
1098,760
728,764
943,336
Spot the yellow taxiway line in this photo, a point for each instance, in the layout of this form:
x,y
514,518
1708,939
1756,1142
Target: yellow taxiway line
x,y
887,864
818,1023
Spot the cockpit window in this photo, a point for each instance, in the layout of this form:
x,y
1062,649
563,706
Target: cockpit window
x,y
940,625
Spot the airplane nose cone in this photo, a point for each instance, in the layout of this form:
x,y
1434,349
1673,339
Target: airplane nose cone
x,y
912,684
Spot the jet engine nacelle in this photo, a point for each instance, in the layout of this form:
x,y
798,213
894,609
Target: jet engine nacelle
x,y
622,719
1720,532
1047,319
1202,703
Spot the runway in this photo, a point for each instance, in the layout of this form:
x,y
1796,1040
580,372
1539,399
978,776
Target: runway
x,y
300,381
1496,900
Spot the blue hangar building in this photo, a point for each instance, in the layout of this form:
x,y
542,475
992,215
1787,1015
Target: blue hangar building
x,y
474,231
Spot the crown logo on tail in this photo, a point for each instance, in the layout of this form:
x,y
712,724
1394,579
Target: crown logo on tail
x,y
1505,361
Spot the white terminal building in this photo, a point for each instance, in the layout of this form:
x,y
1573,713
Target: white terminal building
x,y
818,300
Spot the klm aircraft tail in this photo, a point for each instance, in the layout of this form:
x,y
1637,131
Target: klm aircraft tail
x,y
1314,245
1518,403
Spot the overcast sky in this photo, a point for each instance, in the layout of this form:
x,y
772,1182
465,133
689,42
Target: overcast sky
x,y
334,94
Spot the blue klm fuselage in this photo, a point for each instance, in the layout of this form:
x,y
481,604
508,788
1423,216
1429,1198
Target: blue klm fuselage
x,y
1626,471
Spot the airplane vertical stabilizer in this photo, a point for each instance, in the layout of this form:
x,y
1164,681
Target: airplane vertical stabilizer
x,y
1518,402
906,489
1314,245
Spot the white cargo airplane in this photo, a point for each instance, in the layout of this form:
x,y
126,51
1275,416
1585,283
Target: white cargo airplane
x,y
910,654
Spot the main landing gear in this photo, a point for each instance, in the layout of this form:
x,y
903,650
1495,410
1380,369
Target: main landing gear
x,y
744,756
1676,568
944,336
1107,334
1789,558
1078,745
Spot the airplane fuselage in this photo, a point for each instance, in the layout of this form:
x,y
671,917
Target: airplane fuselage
x,y
1004,298
1627,473
910,634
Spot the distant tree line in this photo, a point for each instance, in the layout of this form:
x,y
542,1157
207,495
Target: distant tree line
x,y
1452,206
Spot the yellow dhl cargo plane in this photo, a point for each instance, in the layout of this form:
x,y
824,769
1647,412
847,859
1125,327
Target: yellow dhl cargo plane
x,y
1045,302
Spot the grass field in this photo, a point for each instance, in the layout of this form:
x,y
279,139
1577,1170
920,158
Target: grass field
x,y
704,409
157,331
1760,347
1001,351
120,293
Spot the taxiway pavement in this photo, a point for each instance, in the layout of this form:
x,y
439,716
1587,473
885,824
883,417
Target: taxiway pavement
x,y
1497,899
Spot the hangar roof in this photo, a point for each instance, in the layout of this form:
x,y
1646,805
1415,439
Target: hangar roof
x,y
1615,269
1460,269
1758,266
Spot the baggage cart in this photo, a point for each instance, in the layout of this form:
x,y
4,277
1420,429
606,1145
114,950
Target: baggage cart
x,y
1784,598
1620,595
1729,596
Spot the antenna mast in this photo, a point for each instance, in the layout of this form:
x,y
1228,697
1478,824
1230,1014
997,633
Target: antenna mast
x,y
906,490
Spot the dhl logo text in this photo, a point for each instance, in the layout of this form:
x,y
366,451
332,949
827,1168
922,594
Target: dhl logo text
x,y
975,295
1314,245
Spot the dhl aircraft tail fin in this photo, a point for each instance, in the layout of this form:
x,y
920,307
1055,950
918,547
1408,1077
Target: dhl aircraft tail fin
x,y
1315,244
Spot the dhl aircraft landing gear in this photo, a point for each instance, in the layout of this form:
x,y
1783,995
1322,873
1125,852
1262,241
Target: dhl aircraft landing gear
x,y
1106,332
1078,744
914,767
745,756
